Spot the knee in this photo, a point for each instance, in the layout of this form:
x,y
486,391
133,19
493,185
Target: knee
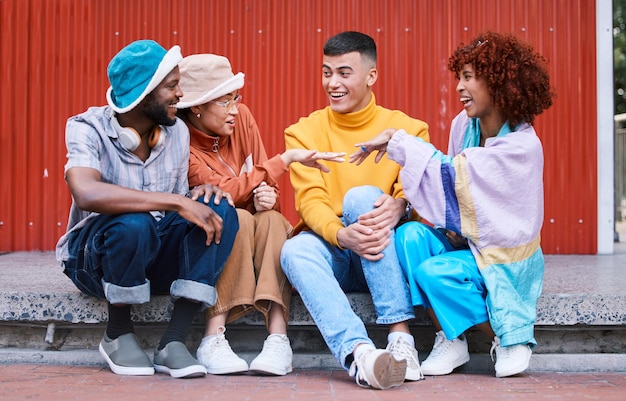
x,y
431,270
269,218
359,200
411,232
246,220
134,226
288,253
225,211
294,251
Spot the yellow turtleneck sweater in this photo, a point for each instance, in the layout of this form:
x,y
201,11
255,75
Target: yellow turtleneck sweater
x,y
318,195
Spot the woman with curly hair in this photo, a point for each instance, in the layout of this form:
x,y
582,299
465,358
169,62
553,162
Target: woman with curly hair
x,y
481,263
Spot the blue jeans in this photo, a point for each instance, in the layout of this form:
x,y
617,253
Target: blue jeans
x,y
127,257
322,273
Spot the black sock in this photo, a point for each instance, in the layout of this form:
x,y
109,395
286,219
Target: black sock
x,y
182,315
119,321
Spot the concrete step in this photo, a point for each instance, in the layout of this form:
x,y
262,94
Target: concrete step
x,y
581,319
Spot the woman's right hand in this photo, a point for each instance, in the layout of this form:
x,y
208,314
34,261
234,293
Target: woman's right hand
x,y
310,158
378,143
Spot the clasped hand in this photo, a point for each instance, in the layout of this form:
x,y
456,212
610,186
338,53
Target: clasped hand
x,y
264,197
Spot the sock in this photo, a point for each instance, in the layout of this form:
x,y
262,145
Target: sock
x,y
182,315
210,337
391,337
361,349
119,321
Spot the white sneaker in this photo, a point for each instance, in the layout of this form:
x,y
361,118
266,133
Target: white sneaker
x,y
378,369
276,357
401,349
510,360
446,355
217,357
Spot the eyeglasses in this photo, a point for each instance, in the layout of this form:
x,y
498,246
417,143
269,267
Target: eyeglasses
x,y
229,103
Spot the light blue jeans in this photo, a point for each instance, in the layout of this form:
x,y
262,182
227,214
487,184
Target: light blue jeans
x,y
322,273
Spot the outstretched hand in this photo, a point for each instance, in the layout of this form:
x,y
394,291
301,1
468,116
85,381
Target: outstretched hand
x,y
378,143
310,158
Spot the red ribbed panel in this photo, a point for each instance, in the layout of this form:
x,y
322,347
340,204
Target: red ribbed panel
x,y
54,55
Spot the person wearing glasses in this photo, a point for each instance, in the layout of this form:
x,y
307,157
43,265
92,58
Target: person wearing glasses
x,y
227,151
135,228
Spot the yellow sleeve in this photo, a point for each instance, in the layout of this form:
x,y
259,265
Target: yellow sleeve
x,y
313,202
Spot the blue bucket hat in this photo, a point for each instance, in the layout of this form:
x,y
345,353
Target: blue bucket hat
x,y
136,70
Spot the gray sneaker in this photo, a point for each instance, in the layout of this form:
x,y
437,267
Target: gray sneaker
x,y
125,356
176,360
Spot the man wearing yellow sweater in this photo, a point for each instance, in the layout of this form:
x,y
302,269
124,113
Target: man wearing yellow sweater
x,y
345,238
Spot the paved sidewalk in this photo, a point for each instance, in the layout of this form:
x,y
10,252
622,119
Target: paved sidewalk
x,y
67,383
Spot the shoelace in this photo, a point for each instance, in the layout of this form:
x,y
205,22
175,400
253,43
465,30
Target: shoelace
x,y
438,347
360,379
404,350
496,349
273,346
221,346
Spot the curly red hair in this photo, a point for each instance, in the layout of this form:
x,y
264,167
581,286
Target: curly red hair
x,y
516,75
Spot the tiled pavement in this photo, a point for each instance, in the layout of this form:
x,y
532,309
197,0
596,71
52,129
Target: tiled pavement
x,y
66,383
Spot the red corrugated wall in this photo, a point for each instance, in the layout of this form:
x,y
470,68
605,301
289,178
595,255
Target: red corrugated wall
x,y
54,54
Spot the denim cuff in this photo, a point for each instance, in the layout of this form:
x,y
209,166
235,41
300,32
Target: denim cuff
x,y
126,295
396,319
195,291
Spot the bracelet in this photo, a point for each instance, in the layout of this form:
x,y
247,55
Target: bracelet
x,y
408,211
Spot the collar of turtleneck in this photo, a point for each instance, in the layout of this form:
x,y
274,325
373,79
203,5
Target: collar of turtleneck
x,y
357,118
205,142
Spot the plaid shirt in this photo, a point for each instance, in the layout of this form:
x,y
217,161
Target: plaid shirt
x,y
92,142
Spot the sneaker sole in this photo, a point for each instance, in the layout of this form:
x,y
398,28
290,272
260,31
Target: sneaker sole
x,y
270,370
126,370
511,372
188,372
447,370
514,371
413,374
388,372
228,370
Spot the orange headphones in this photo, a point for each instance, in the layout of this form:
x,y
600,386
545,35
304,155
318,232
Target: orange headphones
x,y
130,138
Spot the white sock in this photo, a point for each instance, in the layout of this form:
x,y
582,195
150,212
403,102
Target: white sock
x,y
209,338
391,337
282,337
361,349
